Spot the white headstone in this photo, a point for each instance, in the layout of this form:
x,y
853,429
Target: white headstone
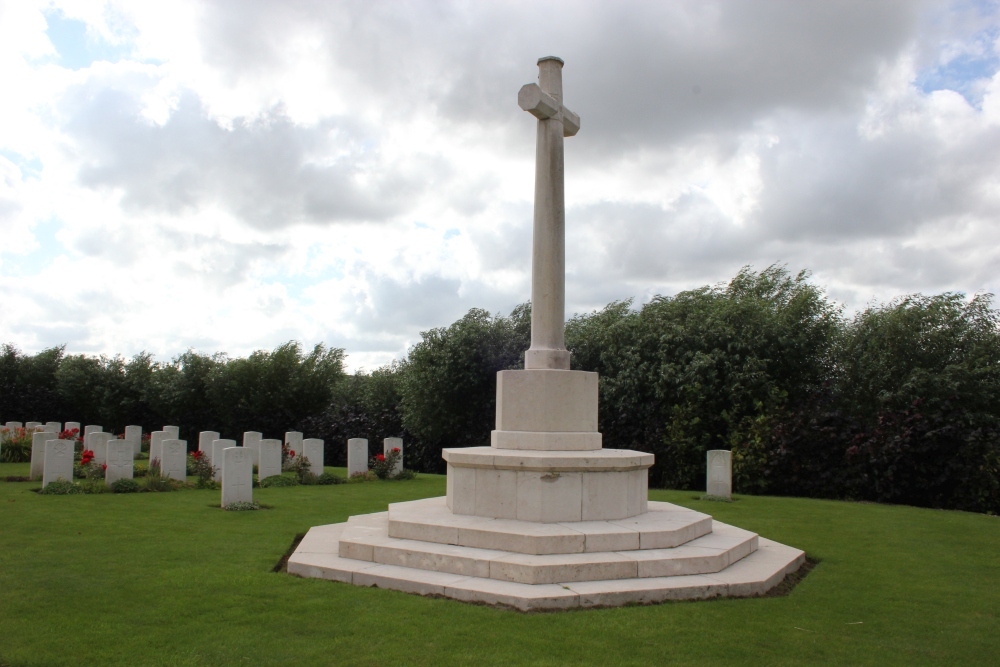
x,y
173,461
172,431
87,430
133,434
293,439
270,458
217,448
13,425
156,439
357,455
38,441
69,426
97,442
205,440
390,444
33,425
237,475
120,456
53,427
312,449
251,440
58,462
720,473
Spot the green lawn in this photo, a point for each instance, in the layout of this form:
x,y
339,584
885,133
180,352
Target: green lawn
x,y
170,579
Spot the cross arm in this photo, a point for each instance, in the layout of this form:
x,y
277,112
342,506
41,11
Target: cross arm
x,y
543,106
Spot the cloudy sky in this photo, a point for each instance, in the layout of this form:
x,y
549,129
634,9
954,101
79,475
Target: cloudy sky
x,y
227,176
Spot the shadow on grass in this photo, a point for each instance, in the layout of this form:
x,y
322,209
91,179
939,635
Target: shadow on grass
x,y
282,564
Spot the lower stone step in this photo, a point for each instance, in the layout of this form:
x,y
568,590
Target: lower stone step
x,y
757,573
710,553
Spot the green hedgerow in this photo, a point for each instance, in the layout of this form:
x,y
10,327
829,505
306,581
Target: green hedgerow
x,y
242,506
278,480
61,488
125,485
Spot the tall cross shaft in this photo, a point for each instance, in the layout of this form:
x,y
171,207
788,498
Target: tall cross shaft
x,y
548,253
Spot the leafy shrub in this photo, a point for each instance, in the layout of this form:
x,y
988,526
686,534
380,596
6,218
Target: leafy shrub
x,y
242,506
199,466
384,466
125,485
94,486
154,481
404,474
329,478
367,476
302,468
278,480
61,488
15,444
139,470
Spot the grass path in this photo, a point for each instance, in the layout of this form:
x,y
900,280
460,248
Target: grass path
x,y
170,579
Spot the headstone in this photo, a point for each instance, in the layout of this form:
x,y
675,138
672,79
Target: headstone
x,y
270,458
205,440
293,440
156,439
720,473
390,444
251,440
237,475
133,434
87,430
53,427
217,447
99,442
312,450
173,461
357,456
172,431
33,425
120,457
69,426
13,425
58,462
38,441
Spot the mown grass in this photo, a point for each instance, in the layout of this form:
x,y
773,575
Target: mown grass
x,y
170,579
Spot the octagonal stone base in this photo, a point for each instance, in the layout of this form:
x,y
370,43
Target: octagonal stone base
x,y
547,486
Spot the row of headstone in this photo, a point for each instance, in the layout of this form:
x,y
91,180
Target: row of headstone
x,y
357,454
48,427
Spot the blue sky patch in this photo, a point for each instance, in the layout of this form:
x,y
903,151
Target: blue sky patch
x,y
76,48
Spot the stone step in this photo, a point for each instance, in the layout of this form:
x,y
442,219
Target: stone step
x,y
664,526
710,553
752,575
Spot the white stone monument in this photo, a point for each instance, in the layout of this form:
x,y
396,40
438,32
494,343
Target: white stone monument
x,y
97,442
173,463
576,527
217,448
14,425
121,454
237,475
58,462
38,441
133,435
205,440
69,426
270,458
357,456
33,425
53,427
251,440
87,430
390,444
312,450
293,440
156,439
719,474
173,432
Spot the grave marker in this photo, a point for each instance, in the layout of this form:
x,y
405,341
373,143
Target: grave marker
x,y
270,459
97,442
205,440
173,463
156,439
53,427
173,432
120,457
58,462
38,441
87,430
13,425
33,425
293,440
237,475
312,450
719,476
217,448
251,440
133,434
357,456
390,444
69,426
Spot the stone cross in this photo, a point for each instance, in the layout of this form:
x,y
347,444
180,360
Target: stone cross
x,y
544,101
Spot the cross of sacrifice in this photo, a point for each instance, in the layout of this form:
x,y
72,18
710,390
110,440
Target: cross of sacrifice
x,y
543,100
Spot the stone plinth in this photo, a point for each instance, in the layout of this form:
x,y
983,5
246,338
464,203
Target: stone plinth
x,y
546,410
547,486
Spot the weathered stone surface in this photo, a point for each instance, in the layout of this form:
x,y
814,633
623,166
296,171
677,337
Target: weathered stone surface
x,y
237,475
205,440
218,447
546,401
270,458
156,439
58,461
312,450
133,435
173,463
719,476
173,432
120,458
38,441
251,441
357,456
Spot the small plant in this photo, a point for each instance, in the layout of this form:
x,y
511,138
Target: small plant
x,y
144,442
16,445
125,485
88,468
404,474
242,506
385,465
16,478
139,470
200,467
366,476
278,480
154,481
302,468
61,488
329,478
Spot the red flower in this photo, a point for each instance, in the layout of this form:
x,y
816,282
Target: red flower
x,y
292,453
379,457
104,466
196,454
395,450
